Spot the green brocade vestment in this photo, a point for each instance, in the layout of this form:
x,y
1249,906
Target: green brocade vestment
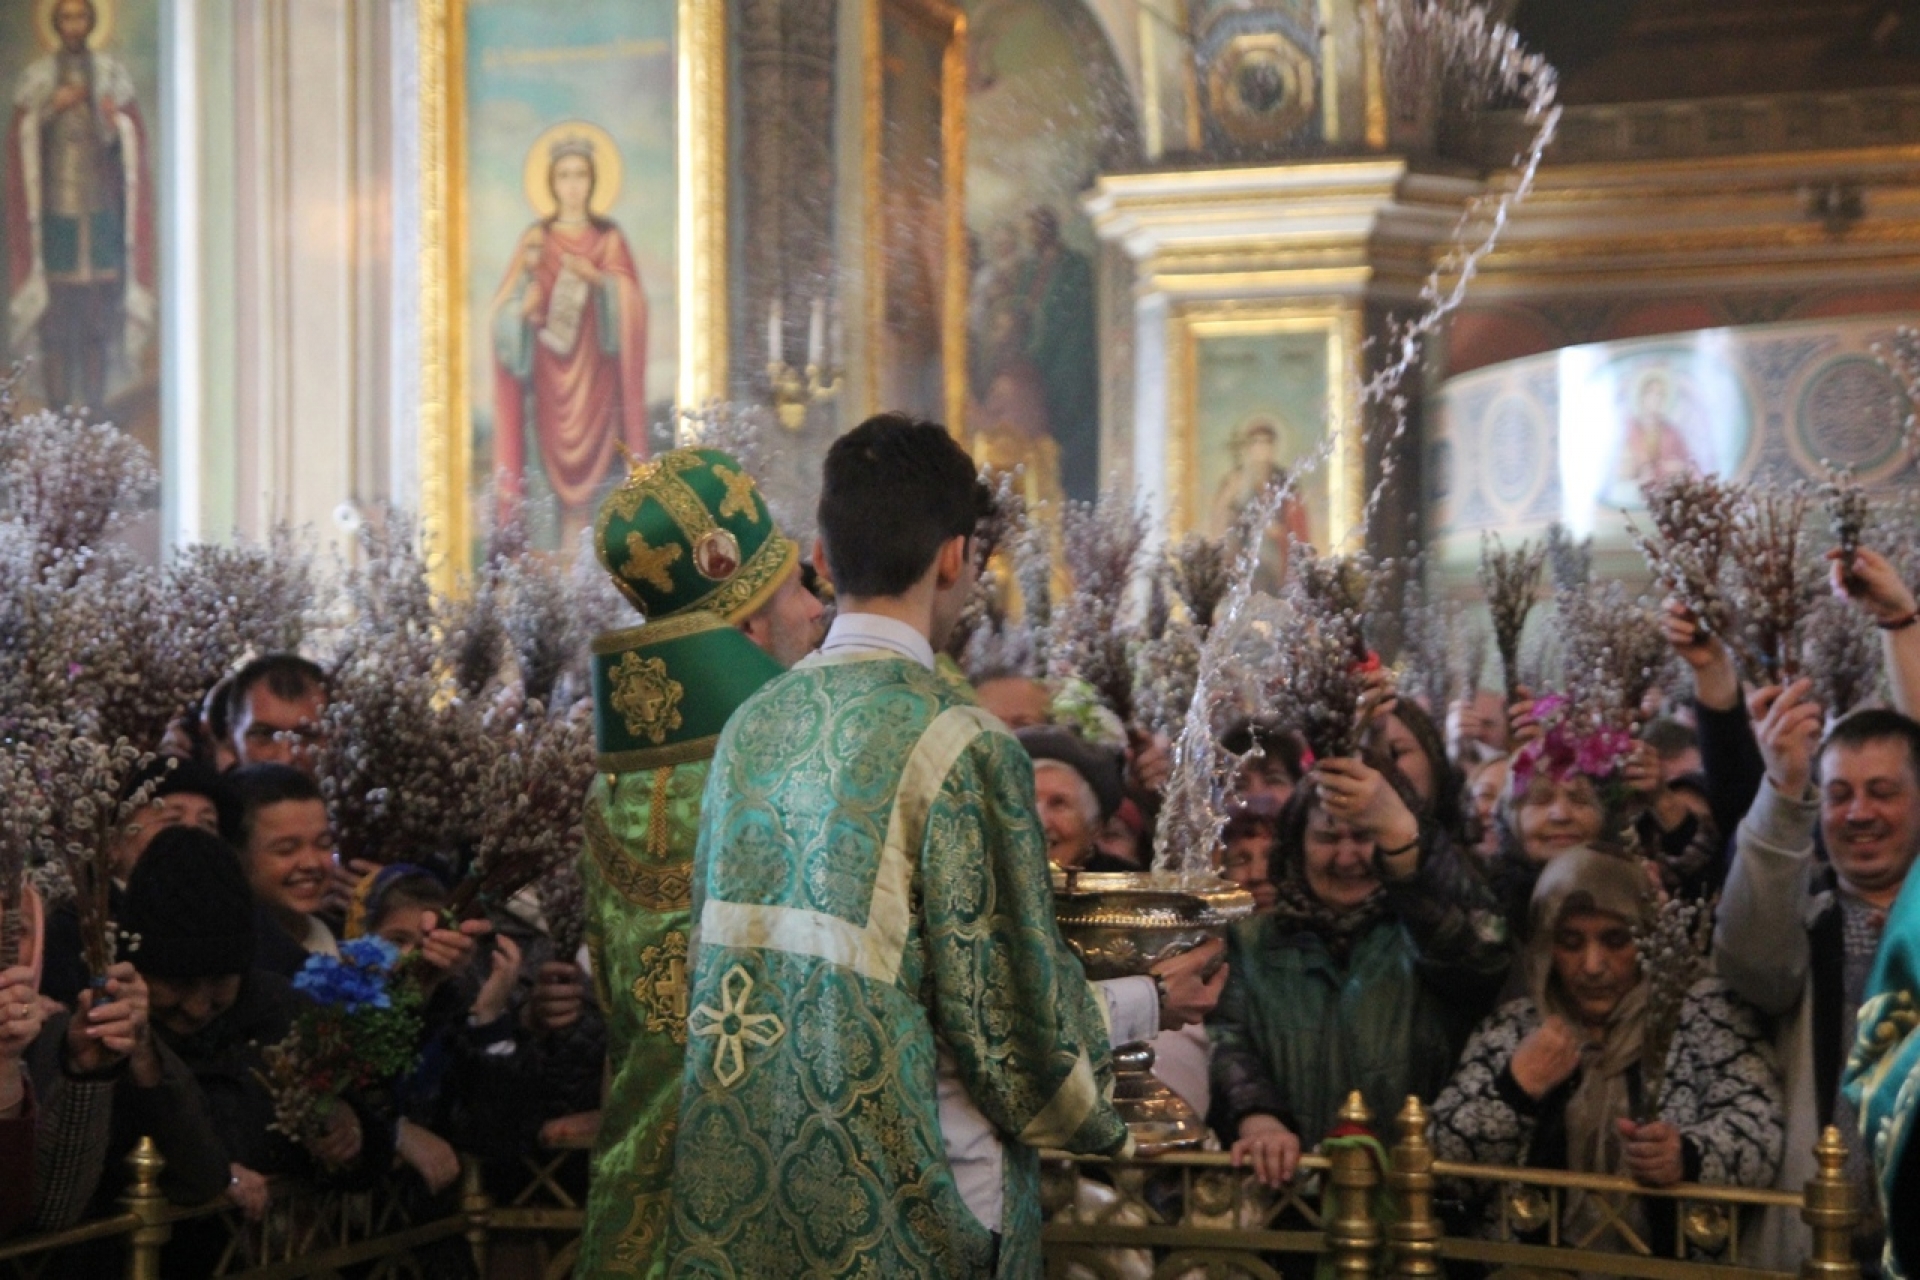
x,y
641,829
1883,1079
661,693
870,887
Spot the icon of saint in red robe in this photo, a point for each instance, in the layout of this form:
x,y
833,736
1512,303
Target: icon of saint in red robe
x,y
569,338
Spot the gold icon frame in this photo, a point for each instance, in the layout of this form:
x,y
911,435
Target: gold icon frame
x,y
445,418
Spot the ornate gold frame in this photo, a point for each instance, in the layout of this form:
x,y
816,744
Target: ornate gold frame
x,y
947,20
1191,323
445,424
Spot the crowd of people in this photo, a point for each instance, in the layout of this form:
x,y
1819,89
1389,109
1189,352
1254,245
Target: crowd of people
x,y
822,1017
225,884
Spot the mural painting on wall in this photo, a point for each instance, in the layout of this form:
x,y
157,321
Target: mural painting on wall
x,y
1647,415
571,301
80,224
1570,435
1047,109
1260,405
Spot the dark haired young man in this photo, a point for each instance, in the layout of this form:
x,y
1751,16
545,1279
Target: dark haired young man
x,y
272,710
884,1023
1799,938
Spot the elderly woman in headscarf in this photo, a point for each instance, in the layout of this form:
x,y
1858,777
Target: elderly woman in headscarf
x,y
1558,1078
1367,974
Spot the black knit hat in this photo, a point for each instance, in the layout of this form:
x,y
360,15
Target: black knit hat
x,y
189,905
1100,766
175,776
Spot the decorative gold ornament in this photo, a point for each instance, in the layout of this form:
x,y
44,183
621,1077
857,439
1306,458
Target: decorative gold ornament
x,y
1122,924
1707,1226
661,989
652,886
734,1027
649,564
1262,87
646,697
1527,1208
740,489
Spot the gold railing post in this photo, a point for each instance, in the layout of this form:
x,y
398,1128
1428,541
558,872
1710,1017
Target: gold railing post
x,y
478,1206
1415,1233
1831,1213
144,1201
1353,1237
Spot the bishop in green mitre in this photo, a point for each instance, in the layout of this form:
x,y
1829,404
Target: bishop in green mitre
x,y
689,542
884,1024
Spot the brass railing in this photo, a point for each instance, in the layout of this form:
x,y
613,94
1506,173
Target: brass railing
x,y
1160,1218
1193,1214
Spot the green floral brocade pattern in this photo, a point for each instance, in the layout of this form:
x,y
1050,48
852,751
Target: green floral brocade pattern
x,y
636,868
871,884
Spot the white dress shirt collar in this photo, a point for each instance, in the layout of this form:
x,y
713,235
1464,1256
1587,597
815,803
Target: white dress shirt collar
x,y
851,632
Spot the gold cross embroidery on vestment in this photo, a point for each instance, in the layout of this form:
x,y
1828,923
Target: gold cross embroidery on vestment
x,y
734,1027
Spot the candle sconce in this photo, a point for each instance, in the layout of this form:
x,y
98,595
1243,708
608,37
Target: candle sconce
x,y
796,389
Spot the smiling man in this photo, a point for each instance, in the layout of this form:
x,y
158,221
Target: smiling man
x,y
286,850
1798,938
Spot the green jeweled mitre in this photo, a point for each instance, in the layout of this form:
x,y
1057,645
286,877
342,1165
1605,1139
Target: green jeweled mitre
x,y
689,541
689,530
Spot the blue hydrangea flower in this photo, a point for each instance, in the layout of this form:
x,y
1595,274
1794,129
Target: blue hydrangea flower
x,y
370,951
354,980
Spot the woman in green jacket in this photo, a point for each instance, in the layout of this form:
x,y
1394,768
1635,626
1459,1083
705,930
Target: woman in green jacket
x,y
1383,952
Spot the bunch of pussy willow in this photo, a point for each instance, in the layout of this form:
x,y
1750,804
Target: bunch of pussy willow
x,y
83,794
1612,651
532,775
1324,670
1673,939
1511,582
394,751
1197,572
1843,656
1086,637
1848,514
1686,550
1773,579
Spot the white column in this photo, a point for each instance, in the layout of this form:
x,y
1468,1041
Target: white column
x,y
403,407
1150,355
182,406
314,248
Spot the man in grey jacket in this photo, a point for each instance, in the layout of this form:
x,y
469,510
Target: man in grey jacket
x,y
1797,936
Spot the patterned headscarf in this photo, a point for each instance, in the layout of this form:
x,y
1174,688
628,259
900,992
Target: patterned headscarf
x,y
1589,880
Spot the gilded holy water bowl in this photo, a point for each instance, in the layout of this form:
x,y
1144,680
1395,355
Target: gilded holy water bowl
x,y
1121,924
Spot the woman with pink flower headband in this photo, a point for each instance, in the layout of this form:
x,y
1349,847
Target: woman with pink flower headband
x,y
1578,779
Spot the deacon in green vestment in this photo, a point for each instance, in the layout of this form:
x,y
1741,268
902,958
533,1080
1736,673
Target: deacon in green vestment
x,y
1883,1079
689,541
882,1005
